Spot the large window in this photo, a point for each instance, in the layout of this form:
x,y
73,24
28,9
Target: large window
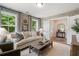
x,y
34,24
8,21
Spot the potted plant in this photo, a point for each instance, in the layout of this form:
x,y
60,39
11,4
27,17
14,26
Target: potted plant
x,y
76,28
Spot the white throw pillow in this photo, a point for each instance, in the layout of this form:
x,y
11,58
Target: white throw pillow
x,y
26,34
2,38
9,38
33,33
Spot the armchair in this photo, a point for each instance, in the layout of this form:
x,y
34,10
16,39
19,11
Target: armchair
x,y
7,49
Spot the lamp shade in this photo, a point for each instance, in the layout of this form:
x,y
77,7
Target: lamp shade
x,y
41,30
3,34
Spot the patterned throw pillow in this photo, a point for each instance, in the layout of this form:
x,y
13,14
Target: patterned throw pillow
x,y
19,36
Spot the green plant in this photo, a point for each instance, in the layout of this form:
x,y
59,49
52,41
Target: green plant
x,y
76,26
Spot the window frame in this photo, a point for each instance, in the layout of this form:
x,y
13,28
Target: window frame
x,y
12,14
37,24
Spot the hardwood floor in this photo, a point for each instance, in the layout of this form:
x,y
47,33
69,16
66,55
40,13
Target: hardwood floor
x,y
59,40
58,49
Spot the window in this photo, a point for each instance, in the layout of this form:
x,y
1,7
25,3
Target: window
x,y
8,21
34,24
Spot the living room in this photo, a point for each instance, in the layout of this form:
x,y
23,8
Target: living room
x,y
28,28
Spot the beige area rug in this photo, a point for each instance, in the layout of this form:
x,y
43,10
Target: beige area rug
x,y
58,49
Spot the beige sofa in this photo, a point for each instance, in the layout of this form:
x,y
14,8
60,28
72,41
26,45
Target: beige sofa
x,y
29,38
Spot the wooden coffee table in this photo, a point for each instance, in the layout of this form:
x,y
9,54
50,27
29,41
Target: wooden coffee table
x,y
39,47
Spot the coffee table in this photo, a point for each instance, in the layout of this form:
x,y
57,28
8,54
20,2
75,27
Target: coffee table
x,y
39,47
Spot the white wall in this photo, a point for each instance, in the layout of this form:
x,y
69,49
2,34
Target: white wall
x,y
46,29
51,28
68,31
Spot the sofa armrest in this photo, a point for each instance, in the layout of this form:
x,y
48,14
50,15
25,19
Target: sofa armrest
x,y
11,53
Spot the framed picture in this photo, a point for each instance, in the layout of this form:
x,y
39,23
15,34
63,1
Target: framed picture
x,y
25,21
25,25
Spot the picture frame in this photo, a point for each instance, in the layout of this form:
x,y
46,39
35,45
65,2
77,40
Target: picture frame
x,y
25,25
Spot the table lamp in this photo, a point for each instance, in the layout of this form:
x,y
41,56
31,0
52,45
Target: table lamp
x,y
41,31
3,33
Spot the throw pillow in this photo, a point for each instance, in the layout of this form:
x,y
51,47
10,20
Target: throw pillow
x,y
26,34
19,36
13,35
9,38
34,33
2,38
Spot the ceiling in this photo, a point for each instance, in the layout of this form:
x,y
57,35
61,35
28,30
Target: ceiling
x,y
49,9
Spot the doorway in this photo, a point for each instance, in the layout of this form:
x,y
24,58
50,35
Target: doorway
x,y
58,30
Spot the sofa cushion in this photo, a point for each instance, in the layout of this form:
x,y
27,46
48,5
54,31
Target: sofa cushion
x,y
33,33
30,39
26,34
